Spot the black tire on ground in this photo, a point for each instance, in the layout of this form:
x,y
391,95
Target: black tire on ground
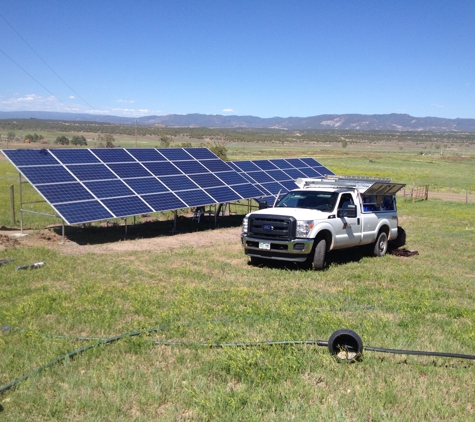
x,y
381,245
346,345
319,254
255,261
400,239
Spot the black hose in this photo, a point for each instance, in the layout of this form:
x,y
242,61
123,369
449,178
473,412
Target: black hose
x,y
221,345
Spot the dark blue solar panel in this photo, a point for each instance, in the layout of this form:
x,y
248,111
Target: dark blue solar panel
x,y
162,169
49,174
206,180
70,178
108,188
288,185
296,162
233,166
195,198
311,162
190,167
175,154
294,174
30,157
216,165
164,202
223,194
113,155
274,187
147,154
146,185
91,172
75,156
83,212
125,170
124,207
176,183
282,164
246,166
278,175
265,164
248,191
309,172
260,176
200,153
64,192
231,178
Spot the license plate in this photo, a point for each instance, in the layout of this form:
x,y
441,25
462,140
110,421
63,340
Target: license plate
x,y
264,245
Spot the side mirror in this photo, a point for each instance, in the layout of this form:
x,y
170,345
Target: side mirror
x,y
349,212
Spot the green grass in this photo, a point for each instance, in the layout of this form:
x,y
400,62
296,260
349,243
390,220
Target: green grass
x,y
211,295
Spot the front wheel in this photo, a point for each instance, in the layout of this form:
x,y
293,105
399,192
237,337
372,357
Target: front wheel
x,y
381,245
319,254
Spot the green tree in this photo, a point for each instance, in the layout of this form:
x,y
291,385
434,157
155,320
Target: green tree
x,y
344,143
109,140
10,136
62,140
219,148
165,141
78,140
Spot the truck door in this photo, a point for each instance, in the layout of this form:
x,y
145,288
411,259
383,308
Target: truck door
x,y
347,230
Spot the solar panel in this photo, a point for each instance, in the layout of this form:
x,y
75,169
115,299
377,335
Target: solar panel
x,y
279,175
85,185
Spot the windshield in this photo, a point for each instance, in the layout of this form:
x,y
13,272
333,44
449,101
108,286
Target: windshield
x,y
322,201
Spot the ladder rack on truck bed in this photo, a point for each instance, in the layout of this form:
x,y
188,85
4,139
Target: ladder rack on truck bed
x,y
369,185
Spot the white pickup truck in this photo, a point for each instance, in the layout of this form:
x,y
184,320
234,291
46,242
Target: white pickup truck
x,y
323,215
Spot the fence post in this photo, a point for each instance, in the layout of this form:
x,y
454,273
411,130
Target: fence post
x,y
12,205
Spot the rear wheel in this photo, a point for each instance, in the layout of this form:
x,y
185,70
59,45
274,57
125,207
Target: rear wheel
x,y
381,245
400,239
319,254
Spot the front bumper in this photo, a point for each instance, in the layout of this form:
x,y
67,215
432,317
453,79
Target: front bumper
x,y
285,250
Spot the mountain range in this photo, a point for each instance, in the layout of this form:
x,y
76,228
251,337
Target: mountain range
x,y
393,121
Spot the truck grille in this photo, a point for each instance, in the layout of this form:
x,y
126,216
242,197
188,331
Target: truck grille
x,y
272,227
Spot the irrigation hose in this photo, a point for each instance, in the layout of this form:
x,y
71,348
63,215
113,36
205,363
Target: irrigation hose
x,y
345,344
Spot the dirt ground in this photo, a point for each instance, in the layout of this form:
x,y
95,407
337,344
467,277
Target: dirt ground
x,y
113,240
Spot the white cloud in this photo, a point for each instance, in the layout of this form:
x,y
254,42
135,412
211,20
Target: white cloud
x,y
126,101
71,97
34,102
228,110
437,105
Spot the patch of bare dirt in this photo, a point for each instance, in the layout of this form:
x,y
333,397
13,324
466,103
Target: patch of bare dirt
x,y
53,240
8,242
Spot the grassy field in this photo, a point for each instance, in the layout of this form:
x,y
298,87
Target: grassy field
x,y
194,296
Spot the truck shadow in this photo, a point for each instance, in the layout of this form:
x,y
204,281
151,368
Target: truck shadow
x,y
334,258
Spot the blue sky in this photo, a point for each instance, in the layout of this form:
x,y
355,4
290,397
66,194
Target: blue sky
x,y
261,58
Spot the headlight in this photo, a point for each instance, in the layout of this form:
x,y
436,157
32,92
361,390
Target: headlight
x,y
245,225
304,227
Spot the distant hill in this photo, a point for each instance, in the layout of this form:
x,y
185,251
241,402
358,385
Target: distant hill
x,y
397,122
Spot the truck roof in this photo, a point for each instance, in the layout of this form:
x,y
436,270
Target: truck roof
x,y
365,185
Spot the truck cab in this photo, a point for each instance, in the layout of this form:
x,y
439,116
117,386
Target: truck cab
x,y
323,215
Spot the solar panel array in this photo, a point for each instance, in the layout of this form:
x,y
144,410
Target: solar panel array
x,y
279,175
85,185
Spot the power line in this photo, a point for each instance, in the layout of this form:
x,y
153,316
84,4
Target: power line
x,y
38,82
50,68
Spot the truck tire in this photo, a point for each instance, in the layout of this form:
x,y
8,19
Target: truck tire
x,y
381,245
319,254
255,261
400,239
